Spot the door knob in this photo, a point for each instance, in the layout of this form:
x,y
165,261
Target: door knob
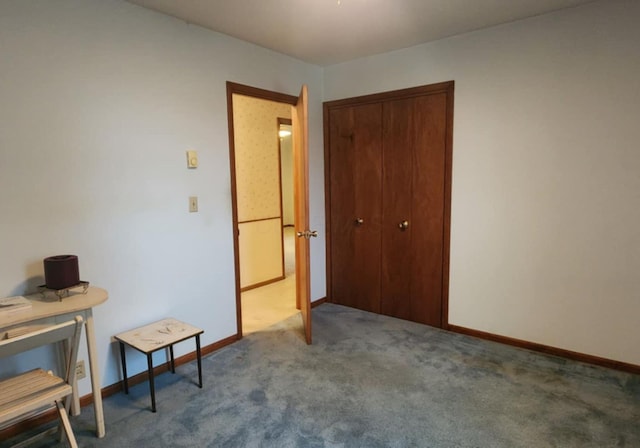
x,y
359,221
307,234
404,225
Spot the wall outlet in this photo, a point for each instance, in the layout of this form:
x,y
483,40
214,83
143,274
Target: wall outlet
x,y
80,372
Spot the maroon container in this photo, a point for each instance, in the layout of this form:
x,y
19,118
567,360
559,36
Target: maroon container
x,y
61,271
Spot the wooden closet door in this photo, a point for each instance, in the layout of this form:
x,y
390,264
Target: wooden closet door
x,y
356,193
397,194
414,154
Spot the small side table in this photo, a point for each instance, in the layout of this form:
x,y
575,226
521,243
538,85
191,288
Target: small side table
x,y
157,336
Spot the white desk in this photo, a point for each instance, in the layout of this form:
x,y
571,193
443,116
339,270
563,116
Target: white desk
x,y
51,310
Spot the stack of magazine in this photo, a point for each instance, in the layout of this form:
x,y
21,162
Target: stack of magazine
x,y
15,304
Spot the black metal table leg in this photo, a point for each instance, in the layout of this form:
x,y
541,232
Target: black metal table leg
x,y
166,338
124,369
199,355
151,382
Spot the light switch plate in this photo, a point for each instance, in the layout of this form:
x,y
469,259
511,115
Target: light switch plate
x,y
192,159
193,204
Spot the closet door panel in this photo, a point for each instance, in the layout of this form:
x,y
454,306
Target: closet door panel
x,y
342,202
389,165
428,128
397,207
355,157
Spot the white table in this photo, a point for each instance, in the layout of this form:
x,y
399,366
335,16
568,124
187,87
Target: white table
x,y
51,310
157,336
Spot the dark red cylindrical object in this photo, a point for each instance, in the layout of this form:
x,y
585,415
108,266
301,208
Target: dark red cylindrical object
x,y
61,271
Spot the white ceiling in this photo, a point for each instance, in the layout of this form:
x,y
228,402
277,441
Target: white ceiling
x,y
326,32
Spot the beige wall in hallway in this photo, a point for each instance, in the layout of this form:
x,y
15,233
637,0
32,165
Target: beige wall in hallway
x,y
257,162
286,156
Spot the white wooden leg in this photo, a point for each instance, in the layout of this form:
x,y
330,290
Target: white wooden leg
x,y
92,349
66,425
75,401
75,397
68,402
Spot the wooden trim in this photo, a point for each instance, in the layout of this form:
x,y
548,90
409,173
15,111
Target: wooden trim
x,y
259,219
231,89
279,121
160,368
256,92
446,234
264,283
442,87
546,349
318,302
51,414
327,199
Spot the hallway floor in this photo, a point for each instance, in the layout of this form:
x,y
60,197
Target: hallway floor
x,y
267,305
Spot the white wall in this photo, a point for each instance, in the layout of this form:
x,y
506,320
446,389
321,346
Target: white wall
x,y
99,99
545,233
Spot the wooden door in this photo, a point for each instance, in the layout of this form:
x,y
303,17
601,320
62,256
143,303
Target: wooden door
x,y
414,148
398,140
301,205
356,194
388,162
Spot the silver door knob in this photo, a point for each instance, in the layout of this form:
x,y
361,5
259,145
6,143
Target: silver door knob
x,y
359,221
307,234
404,225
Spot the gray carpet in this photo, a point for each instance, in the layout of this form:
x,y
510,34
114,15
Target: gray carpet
x,y
374,381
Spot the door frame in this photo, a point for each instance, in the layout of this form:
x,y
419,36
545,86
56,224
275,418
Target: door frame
x,y
443,87
254,92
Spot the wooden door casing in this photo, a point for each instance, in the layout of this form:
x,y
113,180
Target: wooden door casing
x,y
299,108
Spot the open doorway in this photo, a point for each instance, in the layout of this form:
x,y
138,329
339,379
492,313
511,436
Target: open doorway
x,y
260,239
268,304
